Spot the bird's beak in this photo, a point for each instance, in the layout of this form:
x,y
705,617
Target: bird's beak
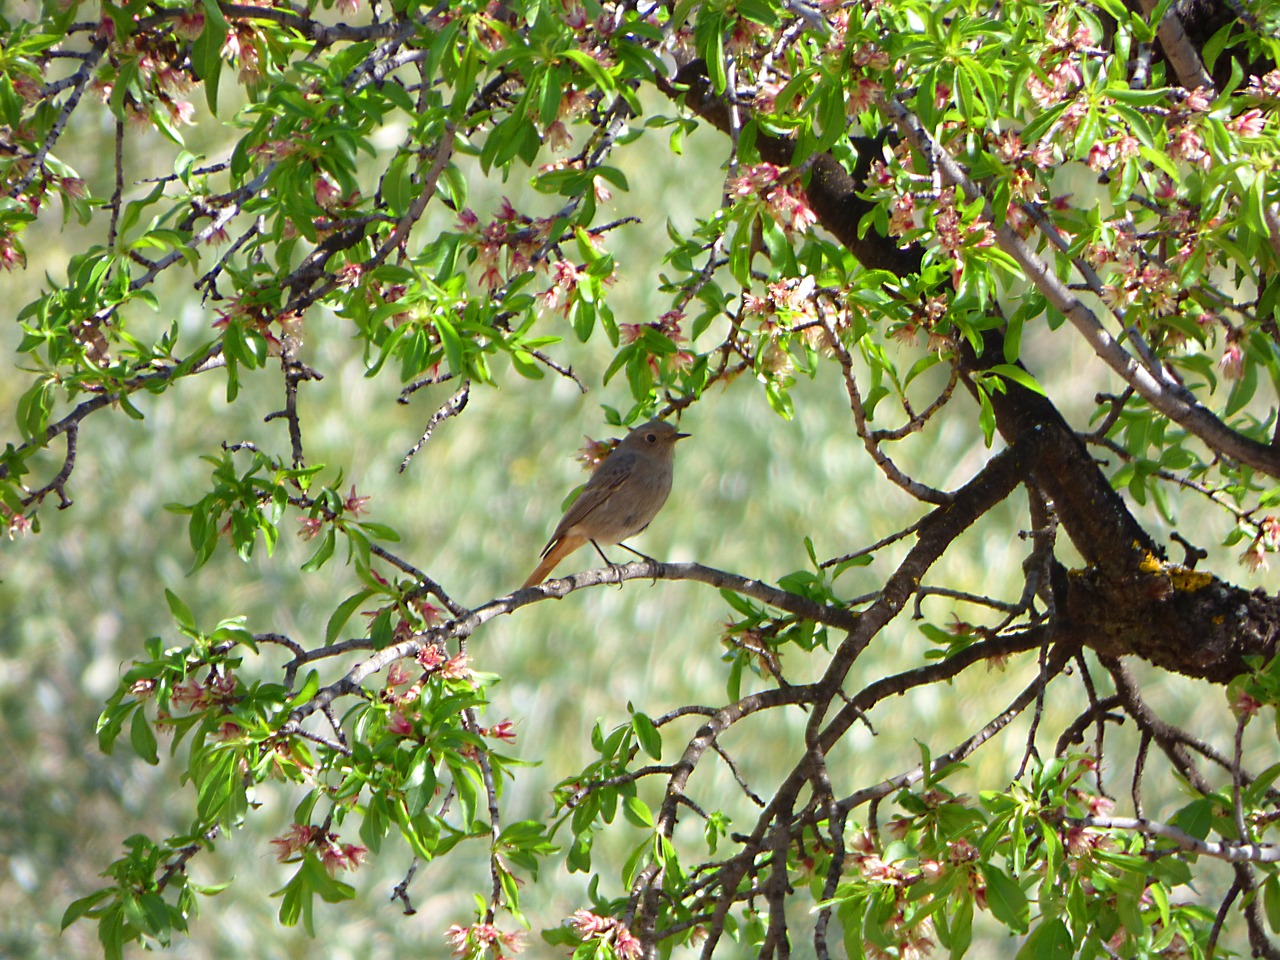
x,y
681,436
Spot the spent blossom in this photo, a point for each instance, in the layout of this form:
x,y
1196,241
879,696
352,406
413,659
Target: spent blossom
x,y
592,926
355,504
504,730
1255,557
479,938
456,668
1232,362
1249,124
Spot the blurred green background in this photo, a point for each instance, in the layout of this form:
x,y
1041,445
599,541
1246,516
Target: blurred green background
x,y
473,509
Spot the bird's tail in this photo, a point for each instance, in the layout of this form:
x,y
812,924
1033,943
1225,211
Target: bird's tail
x,y
556,551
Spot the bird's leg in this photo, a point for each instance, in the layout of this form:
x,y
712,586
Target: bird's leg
x,y
610,563
642,556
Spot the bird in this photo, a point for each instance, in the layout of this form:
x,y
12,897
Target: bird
x,y
621,498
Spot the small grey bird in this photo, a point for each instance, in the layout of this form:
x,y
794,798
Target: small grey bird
x,y
621,498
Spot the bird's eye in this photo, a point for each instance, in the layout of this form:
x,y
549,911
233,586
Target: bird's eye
x,y
651,437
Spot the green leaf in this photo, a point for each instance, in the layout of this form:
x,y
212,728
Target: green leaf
x,y
637,812
1006,899
1270,902
1050,940
341,615
323,552
397,185
206,53
962,928
1018,375
79,908
308,690
647,734
180,611
452,344
143,738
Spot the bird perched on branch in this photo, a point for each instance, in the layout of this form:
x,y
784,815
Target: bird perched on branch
x,y
621,498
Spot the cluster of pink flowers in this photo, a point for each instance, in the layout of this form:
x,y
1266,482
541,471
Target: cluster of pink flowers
x,y
479,938
334,855
1061,72
669,326
928,318
592,453
565,278
953,234
783,197
217,691
353,503
573,103
592,926
914,940
1154,284
433,660
511,233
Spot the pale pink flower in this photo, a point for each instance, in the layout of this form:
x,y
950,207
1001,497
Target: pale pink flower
x,y
1232,362
457,668
354,504
310,527
1249,124
1254,558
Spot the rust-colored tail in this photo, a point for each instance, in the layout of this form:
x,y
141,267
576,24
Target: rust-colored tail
x,y
556,551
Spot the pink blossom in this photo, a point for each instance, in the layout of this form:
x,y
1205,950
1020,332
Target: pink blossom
x,y
354,504
347,856
1254,558
1008,147
190,24
587,924
626,945
1198,100
1099,157
310,527
11,255
1243,705
504,731
863,94
297,839
557,136
902,218
575,16
1232,362
1186,144
766,97
326,191
349,275
456,668
1249,124
428,611
142,689
430,658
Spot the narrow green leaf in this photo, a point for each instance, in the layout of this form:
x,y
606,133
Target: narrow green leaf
x,y
1006,899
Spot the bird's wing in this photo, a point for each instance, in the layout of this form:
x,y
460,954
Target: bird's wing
x,y
608,477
